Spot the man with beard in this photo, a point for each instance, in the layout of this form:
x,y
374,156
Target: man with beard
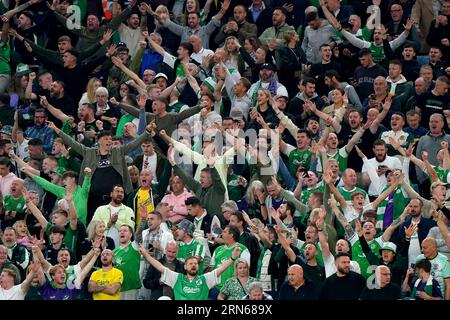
x,y
145,198
344,284
297,287
382,162
342,246
399,87
307,91
307,259
267,81
105,283
188,246
421,224
239,26
278,29
191,286
131,33
127,259
40,130
107,164
115,214
59,100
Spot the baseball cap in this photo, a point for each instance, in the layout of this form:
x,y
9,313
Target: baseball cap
x,y
268,65
389,246
22,69
187,226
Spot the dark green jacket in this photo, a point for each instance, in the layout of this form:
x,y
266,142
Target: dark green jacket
x,y
211,198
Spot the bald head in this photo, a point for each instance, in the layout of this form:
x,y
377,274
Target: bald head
x,y
429,248
295,276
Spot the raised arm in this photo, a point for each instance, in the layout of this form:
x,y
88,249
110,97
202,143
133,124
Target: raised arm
x,y
190,78
73,217
376,123
225,264
133,76
35,211
349,231
285,244
384,195
327,178
25,285
87,268
57,113
354,140
20,8
438,216
323,239
155,263
78,147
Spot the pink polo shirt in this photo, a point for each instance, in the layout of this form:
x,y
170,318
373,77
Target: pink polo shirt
x,y
179,211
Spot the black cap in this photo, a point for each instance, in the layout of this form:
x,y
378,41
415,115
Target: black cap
x,y
268,65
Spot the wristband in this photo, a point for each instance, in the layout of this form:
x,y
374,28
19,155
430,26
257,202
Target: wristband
x,y
319,230
233,259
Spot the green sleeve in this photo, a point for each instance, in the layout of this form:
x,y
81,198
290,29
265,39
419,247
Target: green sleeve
x,y
114,24
137,60
190,182
86,186
58,191
366,34
165,177
82,4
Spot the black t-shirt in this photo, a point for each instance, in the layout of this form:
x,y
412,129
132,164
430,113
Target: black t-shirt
x,y
389,292
316,274
348,287
306,292
318,72
365,144
429,104
104,177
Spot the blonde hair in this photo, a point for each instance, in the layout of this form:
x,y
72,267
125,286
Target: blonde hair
x,y
90,90
21,222
254,185
238,261
92,227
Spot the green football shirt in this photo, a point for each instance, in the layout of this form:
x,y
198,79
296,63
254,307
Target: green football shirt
x,y
185,289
